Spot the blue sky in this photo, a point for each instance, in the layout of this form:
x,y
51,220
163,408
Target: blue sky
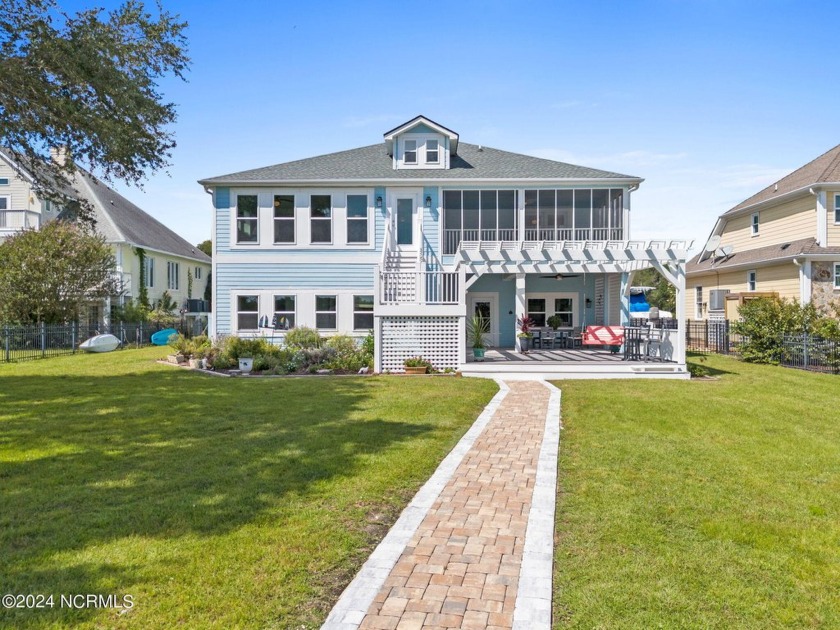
x,y
708,100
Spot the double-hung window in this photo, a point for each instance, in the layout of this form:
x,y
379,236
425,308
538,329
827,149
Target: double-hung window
x,y
536,311
837,275
837,208
149,272
564,309
5,204
173,272
698,302
326,312
247,219
357,219
284,312
247,312
362,312
751,277
197,274
432,154
321,218
410,152
284,219
755,224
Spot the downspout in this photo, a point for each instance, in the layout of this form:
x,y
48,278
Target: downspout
x,y
211,317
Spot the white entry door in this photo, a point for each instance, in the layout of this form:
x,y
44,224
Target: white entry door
x,y
486,306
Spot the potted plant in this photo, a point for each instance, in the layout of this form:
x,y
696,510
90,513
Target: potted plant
x,y
477,328
199,348
524,324
416,365
246,364
555,321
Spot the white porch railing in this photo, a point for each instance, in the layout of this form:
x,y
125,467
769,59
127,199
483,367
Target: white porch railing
x,y
13,220
420,287
452,238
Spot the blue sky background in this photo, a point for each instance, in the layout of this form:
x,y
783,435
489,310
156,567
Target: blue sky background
x,y
708,100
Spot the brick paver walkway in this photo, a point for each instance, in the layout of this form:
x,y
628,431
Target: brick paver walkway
x,y
461,568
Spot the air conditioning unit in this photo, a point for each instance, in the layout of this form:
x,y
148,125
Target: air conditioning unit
x,y
717,299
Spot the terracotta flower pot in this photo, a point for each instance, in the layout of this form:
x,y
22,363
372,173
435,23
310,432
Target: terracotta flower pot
x,y
420,369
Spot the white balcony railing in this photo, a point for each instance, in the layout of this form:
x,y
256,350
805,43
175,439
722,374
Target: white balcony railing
x,y
13,220
420,287
452,238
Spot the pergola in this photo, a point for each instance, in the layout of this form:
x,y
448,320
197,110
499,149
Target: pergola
x,y
520,258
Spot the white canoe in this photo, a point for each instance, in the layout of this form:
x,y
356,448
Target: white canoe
x,y
100,343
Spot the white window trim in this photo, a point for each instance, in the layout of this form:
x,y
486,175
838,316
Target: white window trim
x,y
416,160
698,302
5,181
836,276
755,224
426,150
348,219
293,220
274,312
549,298
837,209
8,199
335,312
752,279
320,219
354,311
197,273
236,311
149,272
173,276
236,219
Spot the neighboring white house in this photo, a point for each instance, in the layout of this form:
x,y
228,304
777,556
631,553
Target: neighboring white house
x,y
128,229
410,235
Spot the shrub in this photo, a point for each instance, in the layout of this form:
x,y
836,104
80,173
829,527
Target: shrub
x,y
180,344
303,337
764,323
310,359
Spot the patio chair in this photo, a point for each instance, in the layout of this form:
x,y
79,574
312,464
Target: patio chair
x,y
575,338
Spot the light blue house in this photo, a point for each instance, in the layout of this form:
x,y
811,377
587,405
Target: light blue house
x,y
410,235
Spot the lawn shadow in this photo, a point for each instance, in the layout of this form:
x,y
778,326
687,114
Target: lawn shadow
x,y
165,454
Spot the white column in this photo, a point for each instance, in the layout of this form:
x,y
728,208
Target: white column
x,y
377,344
625,299
679,342
520,213
520,304
626,198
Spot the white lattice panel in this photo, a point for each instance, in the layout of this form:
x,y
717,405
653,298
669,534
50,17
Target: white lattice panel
x,y
433,338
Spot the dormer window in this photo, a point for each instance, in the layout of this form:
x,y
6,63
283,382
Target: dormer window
x,y
432,152
410,152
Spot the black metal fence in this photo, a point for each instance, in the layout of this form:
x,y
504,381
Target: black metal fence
x,y
814,354
22,343
711,336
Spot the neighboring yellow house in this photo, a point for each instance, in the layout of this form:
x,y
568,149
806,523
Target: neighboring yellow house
x,y
784,241
171,263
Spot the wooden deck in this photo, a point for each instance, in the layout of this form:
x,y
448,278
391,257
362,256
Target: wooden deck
x,y
578,363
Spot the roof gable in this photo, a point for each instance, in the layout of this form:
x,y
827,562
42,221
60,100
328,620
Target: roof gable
x,y
421,124
823,169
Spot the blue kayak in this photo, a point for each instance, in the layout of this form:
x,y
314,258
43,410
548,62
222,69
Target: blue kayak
x,y
161,337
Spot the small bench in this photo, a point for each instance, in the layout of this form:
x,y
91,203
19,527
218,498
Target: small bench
x,y
604,336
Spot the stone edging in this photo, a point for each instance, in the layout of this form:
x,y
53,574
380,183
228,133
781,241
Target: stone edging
x,y
533,599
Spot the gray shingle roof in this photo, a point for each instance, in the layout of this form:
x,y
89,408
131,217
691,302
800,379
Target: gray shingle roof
x,y
120,220
825,168
372,163
778,252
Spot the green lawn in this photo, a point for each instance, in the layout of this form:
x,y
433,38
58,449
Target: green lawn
x,y
703,504
212,502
